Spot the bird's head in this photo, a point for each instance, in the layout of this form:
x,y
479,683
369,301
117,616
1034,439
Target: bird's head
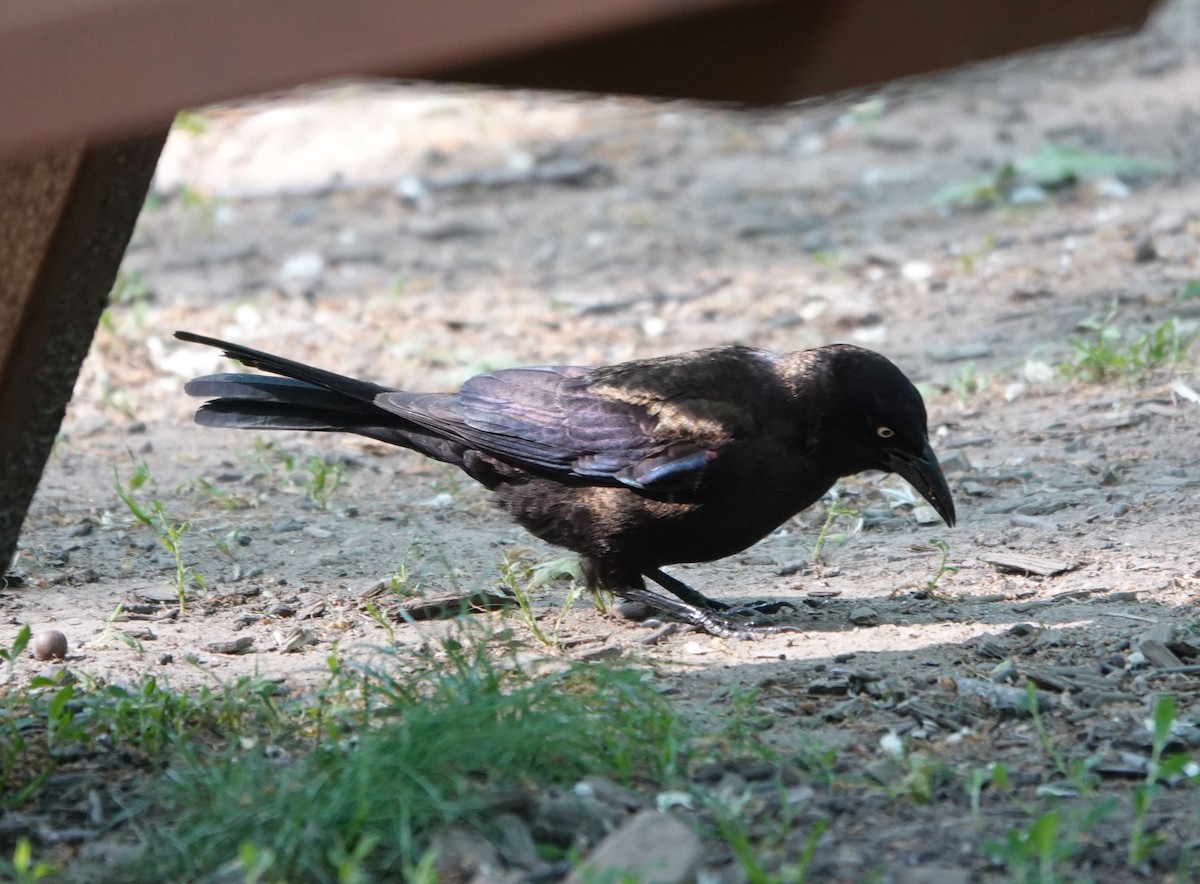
x,y
880,420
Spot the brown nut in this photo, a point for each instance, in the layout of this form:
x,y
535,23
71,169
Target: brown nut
x,y
49,644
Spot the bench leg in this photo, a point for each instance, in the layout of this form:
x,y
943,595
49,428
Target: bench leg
x,y
66,216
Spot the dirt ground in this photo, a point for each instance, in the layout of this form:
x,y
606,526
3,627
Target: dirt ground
x,y
418,236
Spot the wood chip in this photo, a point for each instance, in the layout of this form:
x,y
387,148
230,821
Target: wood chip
x,y
1021,563
1159,655
295,639
233,646
452,605
1002,697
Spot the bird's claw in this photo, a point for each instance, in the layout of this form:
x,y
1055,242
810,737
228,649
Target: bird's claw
x,y
725,626
752,609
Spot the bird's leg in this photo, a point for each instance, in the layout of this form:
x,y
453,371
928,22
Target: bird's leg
x,y
700,600
675,586
713,622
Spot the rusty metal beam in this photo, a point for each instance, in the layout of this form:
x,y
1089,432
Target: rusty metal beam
x,y
66,217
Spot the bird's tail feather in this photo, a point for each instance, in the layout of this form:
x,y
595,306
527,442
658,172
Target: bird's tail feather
x,y
305,398
363,391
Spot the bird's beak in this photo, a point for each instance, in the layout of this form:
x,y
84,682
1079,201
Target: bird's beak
x,y
925,475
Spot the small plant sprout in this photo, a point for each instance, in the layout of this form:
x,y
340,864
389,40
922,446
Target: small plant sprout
x,y
112,632
20,643
168,533
378,616
968,383
944,567
518,577
406,580
515,579
24,868
564,568
835,510
321,479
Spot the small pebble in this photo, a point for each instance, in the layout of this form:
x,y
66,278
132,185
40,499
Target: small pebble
x,y
864,616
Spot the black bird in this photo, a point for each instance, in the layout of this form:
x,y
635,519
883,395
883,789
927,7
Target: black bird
x,y
685,458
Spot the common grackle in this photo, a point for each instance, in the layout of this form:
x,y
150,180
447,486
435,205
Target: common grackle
x,y
684,458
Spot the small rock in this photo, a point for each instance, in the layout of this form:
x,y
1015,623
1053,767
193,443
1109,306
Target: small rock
x,y
1145,252
567,820
609,793
884,255
864,616
1111,188
955,462
1027,195
926,515
916,271
800,566
287,524
606,652
318,533
465,856
652,847
302,267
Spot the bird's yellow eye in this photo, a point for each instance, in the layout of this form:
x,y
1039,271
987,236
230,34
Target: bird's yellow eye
x,y
884,432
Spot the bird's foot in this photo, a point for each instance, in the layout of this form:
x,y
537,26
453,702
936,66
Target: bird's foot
x,y
697,599
722,624
725,626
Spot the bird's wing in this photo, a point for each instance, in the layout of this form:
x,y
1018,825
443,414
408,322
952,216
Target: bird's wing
x,y
551,420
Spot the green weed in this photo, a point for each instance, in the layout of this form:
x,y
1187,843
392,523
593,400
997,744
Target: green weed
x,y
406,579
943,568
168,532
968,383
835,510
24,869
1037,853
1161,723
1110,353
321,479
1078,773
1054,166
516,577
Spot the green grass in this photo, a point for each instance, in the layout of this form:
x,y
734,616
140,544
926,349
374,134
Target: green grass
x,y
376,763
353,780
